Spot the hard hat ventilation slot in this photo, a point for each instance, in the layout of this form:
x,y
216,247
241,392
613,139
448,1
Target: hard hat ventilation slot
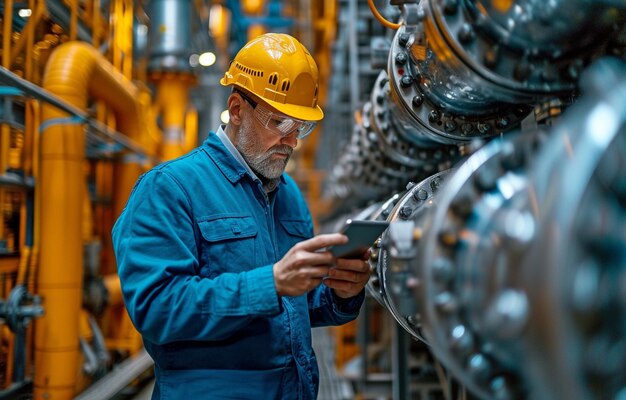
x,y
249,71
273,79
285,85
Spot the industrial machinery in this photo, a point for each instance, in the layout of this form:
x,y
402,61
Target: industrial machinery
x,y
494,143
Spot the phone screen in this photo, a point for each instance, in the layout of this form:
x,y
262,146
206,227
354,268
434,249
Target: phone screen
x,y
361,236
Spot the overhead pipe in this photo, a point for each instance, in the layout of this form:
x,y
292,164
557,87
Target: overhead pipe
x,y
75,72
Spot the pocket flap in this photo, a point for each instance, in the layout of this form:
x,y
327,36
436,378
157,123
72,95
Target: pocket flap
x,y
296,227
219,228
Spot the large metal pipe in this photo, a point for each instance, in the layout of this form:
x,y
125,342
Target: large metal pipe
x,y
75,72
170,35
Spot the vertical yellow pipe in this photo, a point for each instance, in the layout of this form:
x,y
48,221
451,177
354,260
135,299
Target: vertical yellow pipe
x,y
36,119
127,34
173,96
104,213
4,129
10,346
27,36
73,19
21,242
74,71
7,27
27,149
191,129
95,24
33,105
114,17
87,216
60,275
5,136
122,17
1,213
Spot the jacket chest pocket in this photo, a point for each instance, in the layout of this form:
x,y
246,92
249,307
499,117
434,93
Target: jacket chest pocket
x,y
228,245
293,231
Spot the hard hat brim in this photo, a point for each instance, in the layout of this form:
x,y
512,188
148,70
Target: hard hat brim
x,y
299,112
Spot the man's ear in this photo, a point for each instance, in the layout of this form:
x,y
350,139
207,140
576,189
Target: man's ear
x,y
235,103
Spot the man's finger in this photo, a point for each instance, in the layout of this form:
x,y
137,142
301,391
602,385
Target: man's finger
x,y
314,258
316,272
346,275
323,240
353,265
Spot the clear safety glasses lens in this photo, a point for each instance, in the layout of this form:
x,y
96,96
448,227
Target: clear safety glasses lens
x,y
282,125
279,124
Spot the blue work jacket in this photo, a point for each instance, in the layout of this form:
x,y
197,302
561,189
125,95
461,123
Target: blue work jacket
x,y
195,247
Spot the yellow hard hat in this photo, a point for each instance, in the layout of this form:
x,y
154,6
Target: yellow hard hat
x,y
278,69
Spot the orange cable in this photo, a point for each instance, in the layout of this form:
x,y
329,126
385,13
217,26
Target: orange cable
x,y
380,18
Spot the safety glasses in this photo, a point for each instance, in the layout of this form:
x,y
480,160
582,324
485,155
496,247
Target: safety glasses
x,y
278,124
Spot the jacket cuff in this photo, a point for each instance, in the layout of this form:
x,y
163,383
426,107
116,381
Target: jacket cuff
x,y
350,305
262,296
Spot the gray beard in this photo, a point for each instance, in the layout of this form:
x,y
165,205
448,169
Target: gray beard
x,y
260,162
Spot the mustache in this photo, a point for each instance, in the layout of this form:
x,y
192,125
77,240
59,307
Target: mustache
x,y
283,149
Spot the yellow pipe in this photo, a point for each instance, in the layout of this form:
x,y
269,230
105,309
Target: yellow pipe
x,y
23,221
24,265
112,283
84,329
73,19
172,99
104,213
34,119
35,122
252,7
87,217
127,34
95,24
7,27
122,49
28,33
10,348
5,140
1,213
75,70
27,149
191,129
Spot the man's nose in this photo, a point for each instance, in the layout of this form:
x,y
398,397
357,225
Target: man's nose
x,y
290,140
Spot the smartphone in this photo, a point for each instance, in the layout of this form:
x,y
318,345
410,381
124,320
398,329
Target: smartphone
x,y
361,236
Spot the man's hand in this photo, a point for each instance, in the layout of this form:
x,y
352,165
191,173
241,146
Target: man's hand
x,y
349,277
305,264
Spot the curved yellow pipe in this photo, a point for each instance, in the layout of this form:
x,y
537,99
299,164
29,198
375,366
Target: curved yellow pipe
x,y
74,73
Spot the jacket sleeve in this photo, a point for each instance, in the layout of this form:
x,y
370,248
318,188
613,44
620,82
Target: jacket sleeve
x,y
326,308
158,264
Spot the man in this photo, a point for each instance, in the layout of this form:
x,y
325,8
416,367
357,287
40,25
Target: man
x,y
219,269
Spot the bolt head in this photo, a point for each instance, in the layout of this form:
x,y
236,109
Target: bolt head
x,y
466,33
406,81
